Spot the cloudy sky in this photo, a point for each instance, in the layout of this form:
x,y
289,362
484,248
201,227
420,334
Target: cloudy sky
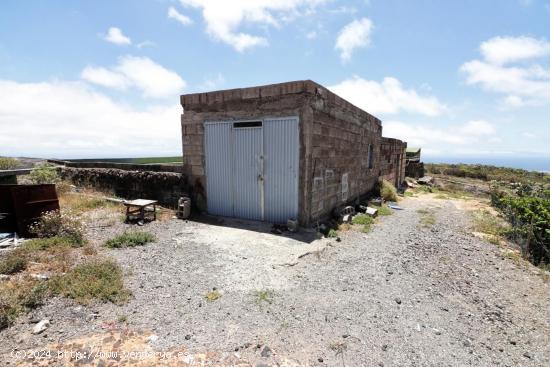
x,y
102,78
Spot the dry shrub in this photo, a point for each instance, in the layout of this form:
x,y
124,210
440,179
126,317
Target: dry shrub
x,y
388,191
58,224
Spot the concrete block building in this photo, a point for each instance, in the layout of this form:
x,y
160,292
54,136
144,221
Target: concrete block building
x,y
284,151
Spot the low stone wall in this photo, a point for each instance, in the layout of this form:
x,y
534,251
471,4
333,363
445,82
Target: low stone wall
x,y
166,187
151,167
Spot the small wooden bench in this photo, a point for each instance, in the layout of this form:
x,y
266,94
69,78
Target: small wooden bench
x,y
138,209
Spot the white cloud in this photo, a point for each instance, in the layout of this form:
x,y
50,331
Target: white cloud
x,y
105,77
140,72
115,35
354,35
478,128
212,83
387,97
503,50
223,18
180,18
508,68
442,138
70,119
528,135
311,35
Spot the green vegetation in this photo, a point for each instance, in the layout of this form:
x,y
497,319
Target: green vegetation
x,y
44,173
213,295
388,191
19,297
384,210
332,233
130,239
487,173
96,279
41,244
8,163
13,262
364,220
530,220
144,160
264,296
59,224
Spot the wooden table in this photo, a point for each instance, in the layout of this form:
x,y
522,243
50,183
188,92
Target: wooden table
x,y
139,207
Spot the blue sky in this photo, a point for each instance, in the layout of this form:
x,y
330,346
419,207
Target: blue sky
x,y
102,79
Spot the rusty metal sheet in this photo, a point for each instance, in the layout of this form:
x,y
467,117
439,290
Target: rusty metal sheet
x,y
28,203
7,212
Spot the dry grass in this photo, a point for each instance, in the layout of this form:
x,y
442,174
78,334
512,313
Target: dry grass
x,y
427,218
213,296
17,297
81,203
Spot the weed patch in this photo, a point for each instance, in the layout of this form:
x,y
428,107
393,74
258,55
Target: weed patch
x,y
264,296
96,279
14,262
384,210
213,296
332,233
427,218
17,297
130,239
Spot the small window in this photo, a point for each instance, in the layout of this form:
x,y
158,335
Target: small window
x,y
370,157
238,125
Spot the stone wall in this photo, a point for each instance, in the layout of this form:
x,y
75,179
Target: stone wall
x,y
151,167
166,187
393,160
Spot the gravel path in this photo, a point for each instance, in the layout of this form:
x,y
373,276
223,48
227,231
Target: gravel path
x,y
405,294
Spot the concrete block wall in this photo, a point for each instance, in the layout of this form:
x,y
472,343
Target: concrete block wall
x,y
334,140
393,160
341,135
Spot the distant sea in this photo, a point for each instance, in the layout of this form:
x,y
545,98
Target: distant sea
x,y
541,164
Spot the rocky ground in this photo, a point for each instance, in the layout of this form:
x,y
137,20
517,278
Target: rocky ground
x,y
418,290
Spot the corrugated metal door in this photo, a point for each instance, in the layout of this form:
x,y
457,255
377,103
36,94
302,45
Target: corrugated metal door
x,y
247,173
252,169
219,161
281,169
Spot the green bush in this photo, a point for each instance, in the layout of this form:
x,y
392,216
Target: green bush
x,y
530,220
58,224
14,262
97,279
362,219
388,191
130,239
8,163
44,174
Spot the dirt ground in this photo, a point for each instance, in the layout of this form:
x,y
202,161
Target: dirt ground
x,y
418,290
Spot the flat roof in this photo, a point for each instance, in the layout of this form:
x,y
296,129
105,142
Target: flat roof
x,y
195,100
